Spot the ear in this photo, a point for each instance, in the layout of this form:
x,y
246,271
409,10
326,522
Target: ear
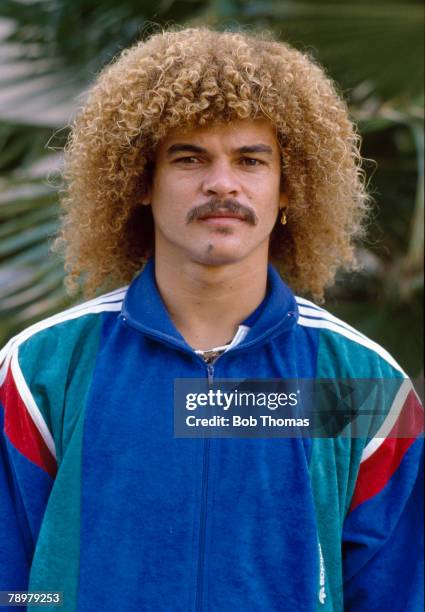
x,y
284,200
146,199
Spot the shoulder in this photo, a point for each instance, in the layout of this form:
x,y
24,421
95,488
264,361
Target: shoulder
x,y
338,343
386,417
45,373
59,331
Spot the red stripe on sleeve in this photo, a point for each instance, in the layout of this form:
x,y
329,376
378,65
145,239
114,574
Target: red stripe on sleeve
x,y
21,430
376,471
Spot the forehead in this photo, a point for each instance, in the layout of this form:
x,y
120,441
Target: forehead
x,y
231,135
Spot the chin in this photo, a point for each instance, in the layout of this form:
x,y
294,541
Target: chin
x,y
219,256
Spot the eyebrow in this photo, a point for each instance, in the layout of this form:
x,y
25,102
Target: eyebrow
x,y
181,147
257,148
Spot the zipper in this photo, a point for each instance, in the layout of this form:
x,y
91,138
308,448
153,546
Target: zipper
x,y
203,512
210,373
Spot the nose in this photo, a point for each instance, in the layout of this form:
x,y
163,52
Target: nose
x,y
220,180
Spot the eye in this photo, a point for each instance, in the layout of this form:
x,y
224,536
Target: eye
x,y
251,161
188,159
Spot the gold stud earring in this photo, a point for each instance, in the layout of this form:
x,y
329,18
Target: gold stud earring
x,y
283,216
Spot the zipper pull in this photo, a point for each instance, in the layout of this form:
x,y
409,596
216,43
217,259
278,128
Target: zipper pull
x,y
210,371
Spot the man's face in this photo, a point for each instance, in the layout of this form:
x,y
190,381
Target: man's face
x,y
215,192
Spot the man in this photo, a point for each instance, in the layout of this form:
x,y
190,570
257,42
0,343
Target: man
x,y
205,155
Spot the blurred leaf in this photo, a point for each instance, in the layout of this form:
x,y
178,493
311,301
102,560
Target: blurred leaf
x,y
44,282
380,42
26,238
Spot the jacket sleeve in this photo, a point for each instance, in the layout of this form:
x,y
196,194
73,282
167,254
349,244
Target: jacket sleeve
x,y
27,471
383,531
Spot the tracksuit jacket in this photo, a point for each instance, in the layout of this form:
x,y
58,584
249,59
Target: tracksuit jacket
x,y
99,499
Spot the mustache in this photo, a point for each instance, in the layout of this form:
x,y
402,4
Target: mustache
x,y
215,205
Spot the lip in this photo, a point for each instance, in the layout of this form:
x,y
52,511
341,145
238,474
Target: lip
x,y
222,216
222,221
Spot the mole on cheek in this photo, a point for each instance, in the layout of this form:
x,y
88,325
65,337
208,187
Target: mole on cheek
x,y
210,247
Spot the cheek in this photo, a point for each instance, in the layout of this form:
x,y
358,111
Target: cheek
x,y
168,208
170,193
268,203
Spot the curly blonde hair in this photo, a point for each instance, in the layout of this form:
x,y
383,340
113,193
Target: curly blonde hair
x,y
189,78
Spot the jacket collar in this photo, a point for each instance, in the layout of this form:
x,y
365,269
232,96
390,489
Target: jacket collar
x,y
144,310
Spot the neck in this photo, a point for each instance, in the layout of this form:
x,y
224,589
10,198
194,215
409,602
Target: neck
x,y
208,303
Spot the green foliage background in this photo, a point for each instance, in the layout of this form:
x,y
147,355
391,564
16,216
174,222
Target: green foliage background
x,y
50,52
